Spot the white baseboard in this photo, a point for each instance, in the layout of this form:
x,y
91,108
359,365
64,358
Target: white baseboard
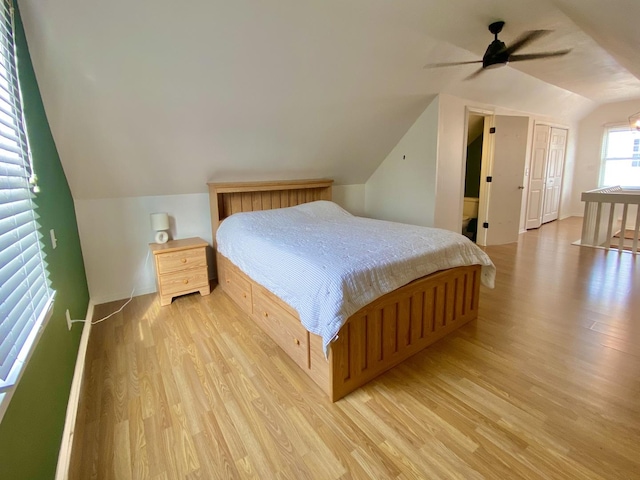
x,y
123,295
568,215
64,456
101,298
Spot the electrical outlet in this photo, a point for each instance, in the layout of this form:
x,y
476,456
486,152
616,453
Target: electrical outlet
x,y
68,319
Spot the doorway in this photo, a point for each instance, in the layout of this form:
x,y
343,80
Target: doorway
x,y
473,167
494,217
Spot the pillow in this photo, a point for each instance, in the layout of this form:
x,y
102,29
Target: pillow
x,y
322,209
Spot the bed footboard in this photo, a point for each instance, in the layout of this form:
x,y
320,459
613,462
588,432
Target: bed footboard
x,y
400,324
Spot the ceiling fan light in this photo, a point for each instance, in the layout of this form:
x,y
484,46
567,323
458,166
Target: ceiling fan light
x,y
634,121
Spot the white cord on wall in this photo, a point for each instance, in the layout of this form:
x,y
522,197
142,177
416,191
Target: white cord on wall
x,y
144,267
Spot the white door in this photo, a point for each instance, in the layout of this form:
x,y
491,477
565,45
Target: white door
x,y
537,176
504,192
555,166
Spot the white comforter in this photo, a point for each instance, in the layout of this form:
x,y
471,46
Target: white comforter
x,y
327,263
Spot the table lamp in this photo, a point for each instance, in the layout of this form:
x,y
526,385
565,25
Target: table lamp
x,y
160,223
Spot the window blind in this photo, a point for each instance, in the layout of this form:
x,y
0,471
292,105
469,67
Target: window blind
x,y
25,292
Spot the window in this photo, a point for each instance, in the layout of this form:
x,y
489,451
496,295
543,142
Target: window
x,y
25,294
620,157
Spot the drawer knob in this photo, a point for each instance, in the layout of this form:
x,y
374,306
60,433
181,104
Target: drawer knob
x,y
244,295
183,260
296,341
185,281
228,281
266,314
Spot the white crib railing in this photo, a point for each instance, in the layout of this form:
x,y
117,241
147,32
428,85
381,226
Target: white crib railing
x,y
601,224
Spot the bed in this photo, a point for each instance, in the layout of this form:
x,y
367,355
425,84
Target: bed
x,y
372,339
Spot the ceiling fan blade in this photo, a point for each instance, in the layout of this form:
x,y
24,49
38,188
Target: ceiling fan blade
x,y
525,39
450,64
535,56
475,74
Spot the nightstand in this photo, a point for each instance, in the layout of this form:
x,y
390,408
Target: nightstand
x,y
181,268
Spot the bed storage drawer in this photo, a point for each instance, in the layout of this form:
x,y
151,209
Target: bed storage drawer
x,y
237,287
282,326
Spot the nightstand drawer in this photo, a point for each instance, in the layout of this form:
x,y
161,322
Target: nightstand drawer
x,y
181,260
186,281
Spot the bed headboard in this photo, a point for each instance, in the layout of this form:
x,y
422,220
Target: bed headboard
x,y
228,198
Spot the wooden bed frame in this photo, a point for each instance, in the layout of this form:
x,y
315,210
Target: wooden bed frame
x,y
374,339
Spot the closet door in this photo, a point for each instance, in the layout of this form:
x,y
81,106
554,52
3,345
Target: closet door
x,y
555,168
537,176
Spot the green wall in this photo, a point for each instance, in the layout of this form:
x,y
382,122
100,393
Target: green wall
x,y
31,430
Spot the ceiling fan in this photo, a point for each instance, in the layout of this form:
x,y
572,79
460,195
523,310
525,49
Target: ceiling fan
x,y
498,54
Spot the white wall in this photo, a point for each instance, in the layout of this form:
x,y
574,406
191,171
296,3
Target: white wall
x,y
402,189
568,193
452,143
589,147
451,162
350,197
115,234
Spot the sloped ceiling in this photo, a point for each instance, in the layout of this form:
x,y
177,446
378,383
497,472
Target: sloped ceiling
x,y
151,97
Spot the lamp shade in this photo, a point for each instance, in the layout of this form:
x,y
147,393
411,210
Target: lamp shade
x,y
159,221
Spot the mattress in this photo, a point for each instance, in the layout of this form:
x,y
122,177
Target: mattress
x,y
327,264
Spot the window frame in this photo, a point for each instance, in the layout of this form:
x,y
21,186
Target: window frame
x,y
617,127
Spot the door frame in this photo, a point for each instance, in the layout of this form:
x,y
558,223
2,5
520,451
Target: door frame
x,y
484,168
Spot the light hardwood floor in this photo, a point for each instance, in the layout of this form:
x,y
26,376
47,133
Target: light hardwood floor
x,y
545,384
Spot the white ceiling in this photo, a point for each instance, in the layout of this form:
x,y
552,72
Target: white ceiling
x,y
155,97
